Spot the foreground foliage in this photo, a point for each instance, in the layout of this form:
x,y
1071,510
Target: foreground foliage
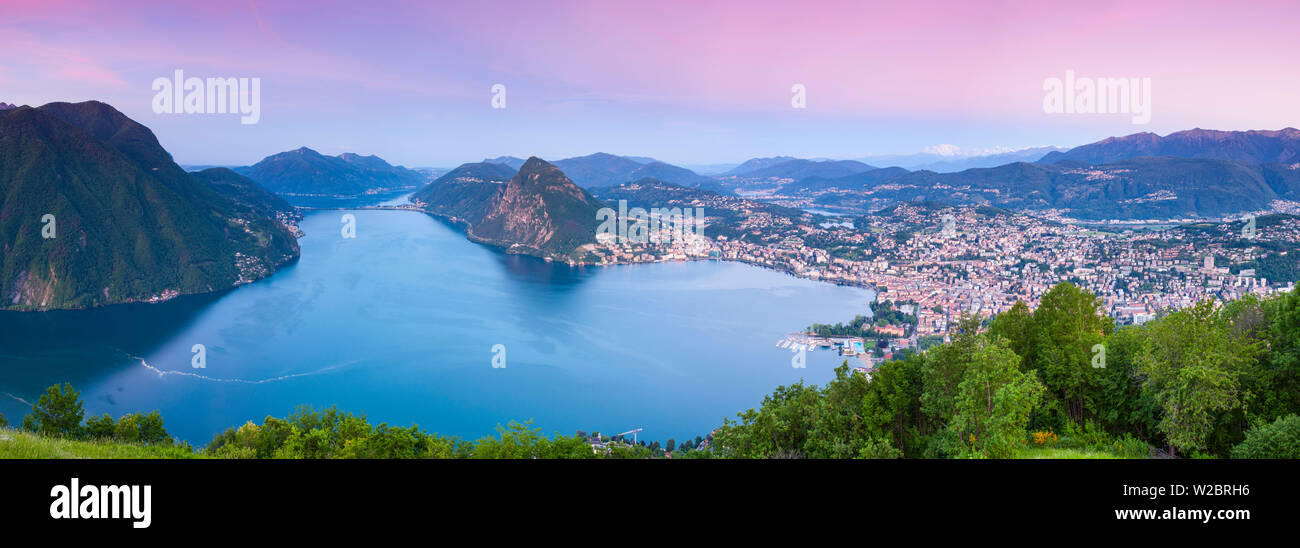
x,y
1192,382
1059,382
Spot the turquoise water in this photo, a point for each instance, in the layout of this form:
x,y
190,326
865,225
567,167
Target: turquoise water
x,y
400,323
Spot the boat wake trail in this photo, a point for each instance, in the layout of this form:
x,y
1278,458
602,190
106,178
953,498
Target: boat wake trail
x,y
24,402
164,372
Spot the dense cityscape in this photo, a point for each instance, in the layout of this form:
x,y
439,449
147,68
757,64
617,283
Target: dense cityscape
x,y
945,260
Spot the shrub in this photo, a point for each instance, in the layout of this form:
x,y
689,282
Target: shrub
x,y
100,428
1279,440
57,413
1130,447
1045,437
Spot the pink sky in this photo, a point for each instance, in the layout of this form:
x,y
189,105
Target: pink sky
x,y
690,82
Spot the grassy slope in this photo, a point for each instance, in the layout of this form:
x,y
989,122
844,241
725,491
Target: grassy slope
x,y
23,445
1059,453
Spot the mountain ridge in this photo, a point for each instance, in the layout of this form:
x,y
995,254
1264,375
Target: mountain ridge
x,y
127,225
1253,146
306,172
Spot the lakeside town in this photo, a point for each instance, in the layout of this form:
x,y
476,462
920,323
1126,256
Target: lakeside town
x,y
936,262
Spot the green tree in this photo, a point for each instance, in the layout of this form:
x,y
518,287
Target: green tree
x,y
58,412
994,401
519,440
1279,440
893,403
151,429
1122,406
780,428
1017,327
1067,327
840,427
1279,377
944,369
1193,362
100,428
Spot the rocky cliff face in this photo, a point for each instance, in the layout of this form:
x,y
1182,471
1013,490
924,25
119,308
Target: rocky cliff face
x,y
539,212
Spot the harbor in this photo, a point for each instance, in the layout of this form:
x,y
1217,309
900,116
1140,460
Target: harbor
x,y
862,360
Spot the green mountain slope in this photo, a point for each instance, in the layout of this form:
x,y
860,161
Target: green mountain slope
x,y
129,224
247,192
464,194
1137,188
539,212
1254,147
305,172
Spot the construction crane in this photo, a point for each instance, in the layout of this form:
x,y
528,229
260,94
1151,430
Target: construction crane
x,y
633,432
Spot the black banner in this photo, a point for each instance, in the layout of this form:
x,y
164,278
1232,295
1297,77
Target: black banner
x,y
1182,497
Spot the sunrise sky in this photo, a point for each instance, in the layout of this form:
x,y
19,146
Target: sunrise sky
x,y
684,82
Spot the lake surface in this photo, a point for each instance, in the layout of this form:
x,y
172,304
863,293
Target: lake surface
x,y
400,323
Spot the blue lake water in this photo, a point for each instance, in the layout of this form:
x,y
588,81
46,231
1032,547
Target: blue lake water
x,y
400,323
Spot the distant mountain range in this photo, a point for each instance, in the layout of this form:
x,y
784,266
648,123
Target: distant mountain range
x,y
603,169
856,181
1188,174
1215,174
1140,188
755,164
513,162
305,172
1256,147
804,169
127,224
955,160
951,165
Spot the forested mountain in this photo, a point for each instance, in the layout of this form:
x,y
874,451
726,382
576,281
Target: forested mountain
x,y
799,169
602,169
93,211
856,181
513,162
1255,147
599,169
305,172
1139,188
755,164
247,192
464,194
538,211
